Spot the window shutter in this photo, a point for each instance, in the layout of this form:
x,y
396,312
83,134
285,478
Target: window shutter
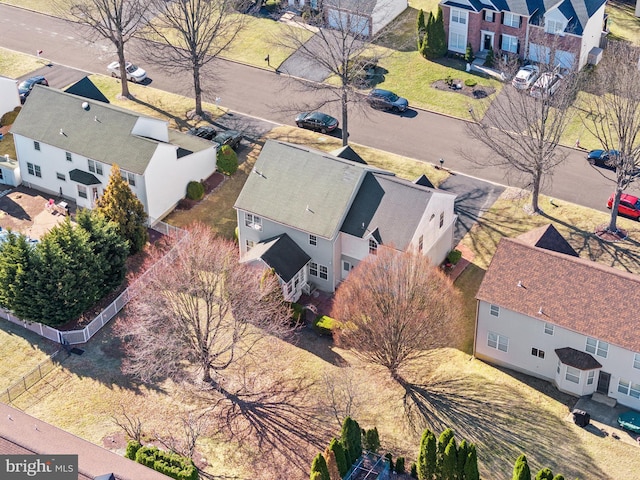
x,y
484,14
518,47
500,42
520,24
502,19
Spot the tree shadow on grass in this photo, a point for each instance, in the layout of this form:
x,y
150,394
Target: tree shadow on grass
x,y
501,422
180,122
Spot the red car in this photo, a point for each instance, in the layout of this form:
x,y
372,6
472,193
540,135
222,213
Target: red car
x,y
629,205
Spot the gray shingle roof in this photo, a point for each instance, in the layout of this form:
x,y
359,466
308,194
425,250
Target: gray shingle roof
x,y
87,89
577,359
280,253
107,140
348,153
301,188
85,178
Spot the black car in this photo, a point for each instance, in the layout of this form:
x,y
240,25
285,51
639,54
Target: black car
x,y
25,87
387,100
603,158
206,132
228,137
317,121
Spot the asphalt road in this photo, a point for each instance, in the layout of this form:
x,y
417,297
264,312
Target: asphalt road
x,y
264,94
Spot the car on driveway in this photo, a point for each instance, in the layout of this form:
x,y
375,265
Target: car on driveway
x,y
317,121
546,85
386,100
228,137
25,87
525,77
205,132
134,73
629,205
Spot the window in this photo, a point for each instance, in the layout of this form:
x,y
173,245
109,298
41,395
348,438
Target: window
x,y
313,269
69,159
458,16
499,342
537,353
129,177
511,20
324,272
590,376
34,169
548,328
95,167
509,43
572,375
82,191
597,347
313,240
553,26
1,175
36,145
61,176
289,288
629,388
636,361
420,243
457,41
253,221
488,16
346,266
30,168
373,246
494,310
441,219
250,244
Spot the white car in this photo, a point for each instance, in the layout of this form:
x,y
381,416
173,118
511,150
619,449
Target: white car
x,y
546,85
525,77
134,73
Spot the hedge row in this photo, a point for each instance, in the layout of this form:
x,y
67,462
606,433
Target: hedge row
x,y
167,463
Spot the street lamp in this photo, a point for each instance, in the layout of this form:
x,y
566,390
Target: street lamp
x,y
441,163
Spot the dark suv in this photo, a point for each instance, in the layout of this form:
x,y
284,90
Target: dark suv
x,y
24,89
386,100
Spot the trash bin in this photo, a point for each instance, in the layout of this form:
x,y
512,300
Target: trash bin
x,y
581,418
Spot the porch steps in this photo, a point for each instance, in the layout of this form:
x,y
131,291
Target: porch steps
x,y
601,398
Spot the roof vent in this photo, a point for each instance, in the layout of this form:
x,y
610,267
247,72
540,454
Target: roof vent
x,y
520,284
309,210
85,106
260,174
62,133
540,312
95,119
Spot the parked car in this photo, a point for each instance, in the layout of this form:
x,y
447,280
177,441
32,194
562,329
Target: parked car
x,y
600,158
386,100
525,77
134,73
228,137
205,132
25,87
547,84
317,121
629,205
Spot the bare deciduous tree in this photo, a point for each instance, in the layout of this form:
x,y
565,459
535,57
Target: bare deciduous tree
x,y
343,398
132,426
523,132
344,52
613,115
184,439
114,20
190,34
394,307
201,309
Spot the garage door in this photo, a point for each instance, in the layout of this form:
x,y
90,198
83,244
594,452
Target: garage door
x,y
539,53
343,20
565,59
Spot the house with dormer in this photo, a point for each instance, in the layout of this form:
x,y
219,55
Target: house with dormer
x,y
544,311
556,32
312,216
66,145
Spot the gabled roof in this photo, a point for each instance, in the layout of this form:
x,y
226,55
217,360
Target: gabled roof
x,y
280,253
85,178
101,132
571,292
87,89
549,238
424,181
577,359
348,153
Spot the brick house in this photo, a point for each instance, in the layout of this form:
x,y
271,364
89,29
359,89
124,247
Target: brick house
x,y
563,32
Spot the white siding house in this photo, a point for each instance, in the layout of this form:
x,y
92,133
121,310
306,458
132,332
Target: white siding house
x,y
9,98
546,312
66,146
333,213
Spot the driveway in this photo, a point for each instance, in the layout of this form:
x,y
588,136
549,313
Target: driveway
x,y
300,64
58,76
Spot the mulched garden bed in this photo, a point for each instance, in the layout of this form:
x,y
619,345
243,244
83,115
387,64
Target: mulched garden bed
x,y
603,233
477,92
210,184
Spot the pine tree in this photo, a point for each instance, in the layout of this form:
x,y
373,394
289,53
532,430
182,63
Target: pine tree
x,y
449,469
372,440
439,36
332,465
119,204
319,465
15,272
336,446
443,441
389,458
426,464
544,474
351,437
421,28
521,469
471,465
468,55
425,47
400,465
463,451
489,60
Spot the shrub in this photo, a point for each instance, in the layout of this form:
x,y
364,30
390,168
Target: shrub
x,y
454,256
297,312
372,440
9,117
195,190
389,458
488,62
470,82
448,80
227,160
132,448
400,465
324,325
272,5
167,463
468,54
414,470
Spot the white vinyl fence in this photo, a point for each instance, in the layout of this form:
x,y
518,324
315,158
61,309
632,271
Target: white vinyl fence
x,y
74,337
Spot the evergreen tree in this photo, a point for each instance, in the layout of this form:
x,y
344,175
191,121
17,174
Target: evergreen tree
x,y
319,466
558,477
15,272
389,458
400,465
489,60
450,461
468,55
521,469
463,451
119,204
372,440
421,28
425,47
336,446
443,441
426,464
544,474
439,38
332,465
110,248
351,439
471,465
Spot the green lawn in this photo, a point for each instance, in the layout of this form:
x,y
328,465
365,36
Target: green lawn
x,y
623,23
14,64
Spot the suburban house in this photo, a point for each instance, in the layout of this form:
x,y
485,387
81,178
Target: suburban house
x,y
312,216
567,30
544,311
67,144
9,97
